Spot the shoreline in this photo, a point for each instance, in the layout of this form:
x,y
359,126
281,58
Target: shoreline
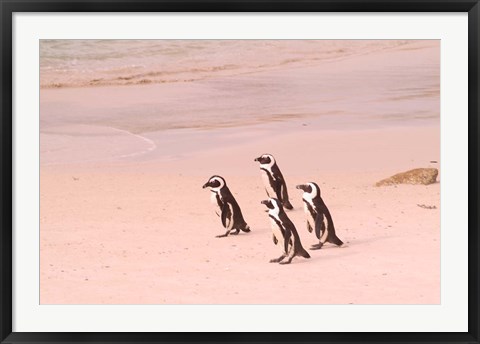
x,y
190,146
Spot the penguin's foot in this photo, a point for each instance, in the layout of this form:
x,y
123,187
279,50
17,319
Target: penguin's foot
x,y
277,260
288,261
221,235
246,229
316,246
235,233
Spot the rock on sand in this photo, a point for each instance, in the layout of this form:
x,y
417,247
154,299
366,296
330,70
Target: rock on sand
x,y
423,176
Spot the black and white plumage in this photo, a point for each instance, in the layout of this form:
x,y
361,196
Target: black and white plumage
x,y
226,206
273,180
318,216
284,233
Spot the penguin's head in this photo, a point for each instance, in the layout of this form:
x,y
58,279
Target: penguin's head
x,y
215,183
266,159
272,204
312,189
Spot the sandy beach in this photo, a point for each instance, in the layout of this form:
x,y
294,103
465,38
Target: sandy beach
x,y
124,218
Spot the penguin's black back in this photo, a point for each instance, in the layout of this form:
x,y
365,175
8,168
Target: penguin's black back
x,y
281,187
228,197
321,206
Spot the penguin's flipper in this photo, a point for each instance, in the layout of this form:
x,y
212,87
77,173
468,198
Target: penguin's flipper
x,y
287,237
319,225
278,189
226,214
275,241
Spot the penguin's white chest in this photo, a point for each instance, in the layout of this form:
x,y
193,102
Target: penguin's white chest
x,y
213,200
266,183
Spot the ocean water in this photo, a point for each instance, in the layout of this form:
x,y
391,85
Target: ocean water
x,y
83,63
136,99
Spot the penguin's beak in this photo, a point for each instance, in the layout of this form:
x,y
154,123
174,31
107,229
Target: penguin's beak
x,y
267,204
205,185
256,159
301,187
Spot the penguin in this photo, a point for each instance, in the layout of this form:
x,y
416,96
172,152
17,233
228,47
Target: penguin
x,y
318,216
273,180
284,232
226,206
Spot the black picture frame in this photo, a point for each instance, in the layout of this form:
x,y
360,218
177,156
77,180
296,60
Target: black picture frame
x,y
8,7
